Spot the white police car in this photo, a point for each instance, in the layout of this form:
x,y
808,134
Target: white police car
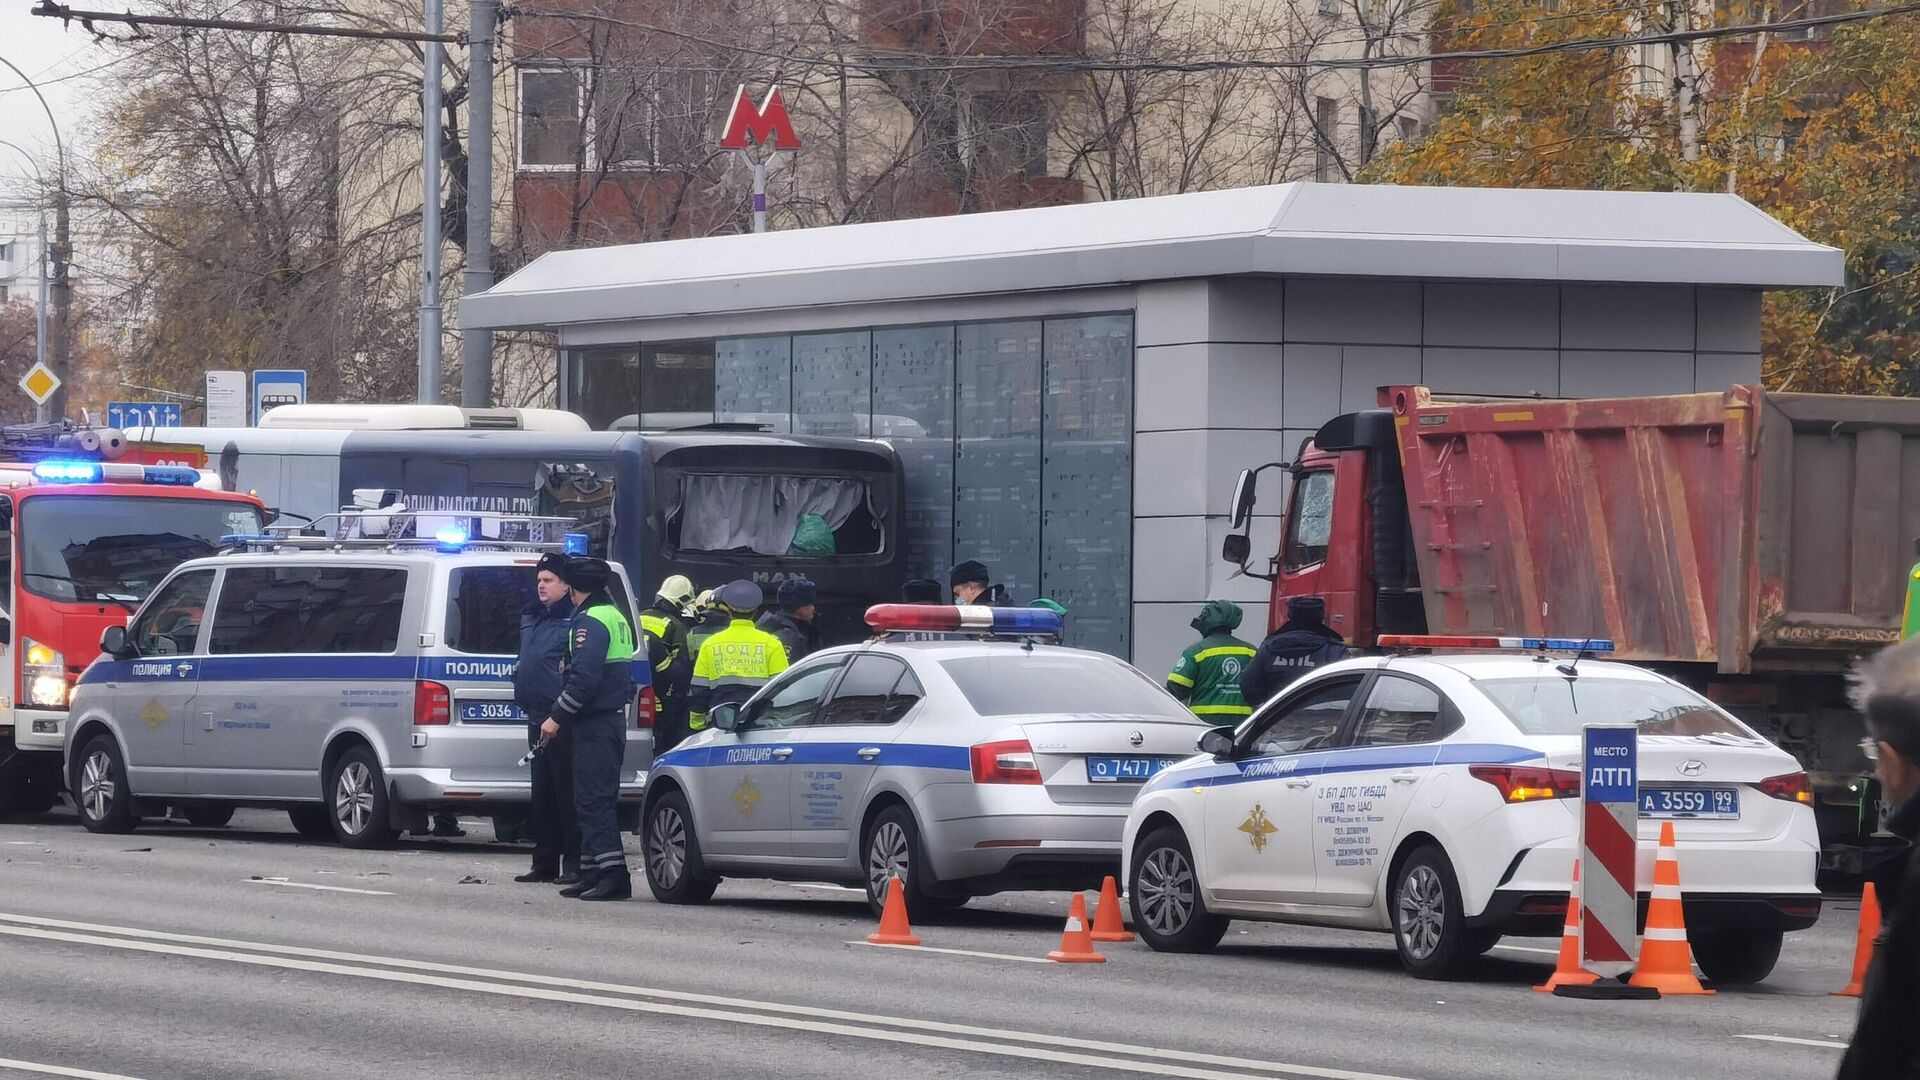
x,y
964,766
1437,797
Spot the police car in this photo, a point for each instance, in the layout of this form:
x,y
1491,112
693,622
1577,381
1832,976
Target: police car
x,y
357,681
963,766
1437,797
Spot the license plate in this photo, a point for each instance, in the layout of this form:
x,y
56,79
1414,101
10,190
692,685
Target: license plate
x,y
1125,770
1697,802
497,712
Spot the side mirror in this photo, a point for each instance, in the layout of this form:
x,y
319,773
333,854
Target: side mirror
x,y
726,717
114,642
1242,506
1236,549
1218,743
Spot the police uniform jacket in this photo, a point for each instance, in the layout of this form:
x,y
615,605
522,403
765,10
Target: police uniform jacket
x,y
601,674
733,664
1287,654
791,632
541,672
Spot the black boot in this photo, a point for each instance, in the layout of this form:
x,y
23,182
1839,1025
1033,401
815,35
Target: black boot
x,y
617,885
578,887
539,875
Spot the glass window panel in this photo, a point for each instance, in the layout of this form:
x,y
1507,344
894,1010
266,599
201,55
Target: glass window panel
x,y
913,410
1086,482
832,383
604,385
753,381
549,116
997,461
676,384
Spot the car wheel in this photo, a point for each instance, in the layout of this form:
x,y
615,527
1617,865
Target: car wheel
x,y
100,788
29,784
1164,892
1736,957
357,800
311,821
671,851
893,850
208,815
1481,942
1429,926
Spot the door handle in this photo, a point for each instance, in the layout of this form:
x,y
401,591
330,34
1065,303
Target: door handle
x,y
206,721
868,753
782,753
1404,777
1303,782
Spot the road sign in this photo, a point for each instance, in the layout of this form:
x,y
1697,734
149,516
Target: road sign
x,y
1609,845
767,125
143,414
227,399
40,383
272,389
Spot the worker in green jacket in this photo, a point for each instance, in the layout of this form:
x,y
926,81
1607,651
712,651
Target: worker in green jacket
x,y
1207,676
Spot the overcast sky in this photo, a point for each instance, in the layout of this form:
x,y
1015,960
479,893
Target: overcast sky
x,y
47,52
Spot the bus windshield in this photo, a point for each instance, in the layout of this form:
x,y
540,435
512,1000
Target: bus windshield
x,y
118,547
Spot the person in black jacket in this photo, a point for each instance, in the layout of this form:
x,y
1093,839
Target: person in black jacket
x,y
792,622
537,680
1886,1041
1302,643
972,584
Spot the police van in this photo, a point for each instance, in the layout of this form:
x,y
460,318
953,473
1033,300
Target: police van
x,y
356,673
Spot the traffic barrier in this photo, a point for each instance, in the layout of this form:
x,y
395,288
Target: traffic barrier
x,y
1076,943
1666,960
1567,970
1863,945
1107,924
894,929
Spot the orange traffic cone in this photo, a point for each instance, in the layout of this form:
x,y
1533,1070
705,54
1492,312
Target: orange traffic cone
x,y
1863,945
1106,917
1076,944
893,919
1666,960
1567,970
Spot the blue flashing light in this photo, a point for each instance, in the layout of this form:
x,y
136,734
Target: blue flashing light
x,y
451,539
171,474
1566,644
574,543
67,472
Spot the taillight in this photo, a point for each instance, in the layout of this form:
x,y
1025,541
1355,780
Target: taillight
x,y
432,704
1792,787
1528,783
1009,762
644,708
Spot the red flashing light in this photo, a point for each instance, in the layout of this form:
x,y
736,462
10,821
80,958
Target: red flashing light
x,y
432,704
1009,762
1436,641
1528,783
1789,787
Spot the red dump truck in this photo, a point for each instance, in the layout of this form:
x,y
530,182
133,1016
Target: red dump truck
x,y
1752,545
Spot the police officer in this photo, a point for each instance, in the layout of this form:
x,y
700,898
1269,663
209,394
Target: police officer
x,y
972,584
537,680
736,661
921,590
1302,643
1207,675
793,622
592,708
665,628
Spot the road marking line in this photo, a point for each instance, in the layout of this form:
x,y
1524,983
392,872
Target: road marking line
x,y
1529,948
1797,1042
59,1070
956,952
285,884
677,1003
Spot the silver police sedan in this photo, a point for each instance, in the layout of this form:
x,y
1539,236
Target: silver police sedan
x,y
965,767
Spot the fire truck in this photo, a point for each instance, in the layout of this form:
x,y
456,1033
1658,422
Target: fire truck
x,y
87,529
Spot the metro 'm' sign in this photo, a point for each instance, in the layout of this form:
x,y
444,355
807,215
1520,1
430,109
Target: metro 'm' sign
x,y
766,126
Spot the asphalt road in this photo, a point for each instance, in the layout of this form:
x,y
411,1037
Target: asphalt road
x,y
246,952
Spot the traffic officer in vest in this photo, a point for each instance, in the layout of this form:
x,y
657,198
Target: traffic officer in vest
x,y
592,709
1207,676
666,632
736,662
538,678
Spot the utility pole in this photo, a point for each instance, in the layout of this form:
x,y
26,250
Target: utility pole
x,y
476,344
429,386
62,255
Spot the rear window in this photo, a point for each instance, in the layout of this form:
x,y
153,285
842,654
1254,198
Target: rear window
x,y
1560,706
484,605
308,609
1016,683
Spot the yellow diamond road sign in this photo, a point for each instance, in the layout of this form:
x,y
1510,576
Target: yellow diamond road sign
x,y
39,382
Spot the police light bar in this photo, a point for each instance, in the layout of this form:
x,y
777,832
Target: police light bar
x,y
1528,644
965,618
451,539
95,472
67,472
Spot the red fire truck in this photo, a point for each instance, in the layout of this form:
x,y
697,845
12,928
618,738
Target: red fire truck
x,y
86,531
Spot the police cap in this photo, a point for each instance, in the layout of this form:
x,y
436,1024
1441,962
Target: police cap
x,y
552,563
586,573
796,593
739,596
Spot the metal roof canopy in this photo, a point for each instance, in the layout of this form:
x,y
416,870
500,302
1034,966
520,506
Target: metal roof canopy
x,y
1354,230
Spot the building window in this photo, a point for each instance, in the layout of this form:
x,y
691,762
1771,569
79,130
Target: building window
x,y
1369,135
1009,135
1325,119
1330,8
676,385
6,252
1409,129
4,295
553,105
652,118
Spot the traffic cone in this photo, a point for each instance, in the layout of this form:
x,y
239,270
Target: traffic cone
x,y
1567,970
1107,925
1076,944
893,919
1666,960
1863,945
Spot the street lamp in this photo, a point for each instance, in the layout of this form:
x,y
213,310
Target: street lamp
x,y
40,300
61,252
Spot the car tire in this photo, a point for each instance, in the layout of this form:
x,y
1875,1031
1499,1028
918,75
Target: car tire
x,y
207,815
1163,890
892,847
670,853
357,807
1736,957
29,784
100,790
311,820
1481,942
1429,924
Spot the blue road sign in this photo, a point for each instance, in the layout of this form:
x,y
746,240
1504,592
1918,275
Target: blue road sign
x,y
273,388
143,414
1612,765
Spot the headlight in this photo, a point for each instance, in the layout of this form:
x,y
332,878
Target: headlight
x,y
44,671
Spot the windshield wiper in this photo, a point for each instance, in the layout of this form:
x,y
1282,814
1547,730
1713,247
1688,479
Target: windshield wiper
x,y
126,601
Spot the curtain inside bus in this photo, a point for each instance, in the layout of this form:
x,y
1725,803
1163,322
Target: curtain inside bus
x,y
763,514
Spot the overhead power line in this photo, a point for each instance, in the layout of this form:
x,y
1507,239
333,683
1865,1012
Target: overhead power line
x,y
66,14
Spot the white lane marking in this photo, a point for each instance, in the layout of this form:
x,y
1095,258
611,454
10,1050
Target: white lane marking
x,y
59,1070
956,952
1529,948
285,884
1796,1042
24,843
673,1001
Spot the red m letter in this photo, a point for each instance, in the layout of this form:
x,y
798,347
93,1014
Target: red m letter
x,y
767,125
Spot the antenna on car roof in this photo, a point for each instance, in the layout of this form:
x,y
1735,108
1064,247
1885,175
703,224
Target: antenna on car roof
x,y
1571,669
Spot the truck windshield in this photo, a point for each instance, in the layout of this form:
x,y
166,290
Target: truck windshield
x,y
118,547
1552,705
1018,683
765,514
